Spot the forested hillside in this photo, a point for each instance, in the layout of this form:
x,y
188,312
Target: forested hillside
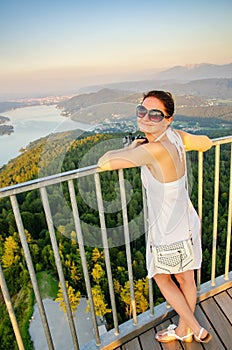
x,y
108,103
64,152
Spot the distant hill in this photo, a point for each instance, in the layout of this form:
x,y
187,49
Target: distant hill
x,y
94,98
4,106
111,104
203,77
195,72
99,106
208,88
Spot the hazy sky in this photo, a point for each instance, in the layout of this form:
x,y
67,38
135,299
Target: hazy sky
x,y
63,44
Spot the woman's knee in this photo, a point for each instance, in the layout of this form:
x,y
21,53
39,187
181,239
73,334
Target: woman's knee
x,y
162,279
185,278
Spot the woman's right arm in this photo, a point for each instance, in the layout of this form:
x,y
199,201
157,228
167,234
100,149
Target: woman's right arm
x,y
129,157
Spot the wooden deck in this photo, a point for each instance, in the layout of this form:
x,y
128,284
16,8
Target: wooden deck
x,y
213,310
214,313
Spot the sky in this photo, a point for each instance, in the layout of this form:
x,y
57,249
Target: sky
x,y
61,45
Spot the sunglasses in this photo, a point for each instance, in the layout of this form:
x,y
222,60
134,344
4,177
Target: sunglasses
x,y
155,115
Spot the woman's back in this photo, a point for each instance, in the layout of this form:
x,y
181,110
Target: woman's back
x,y
168,164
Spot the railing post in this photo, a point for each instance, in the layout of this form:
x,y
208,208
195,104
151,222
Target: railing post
x,y
83,257
48,215
215,221
127,243
200,197
31,270
106,250
227,263
10,309
150,280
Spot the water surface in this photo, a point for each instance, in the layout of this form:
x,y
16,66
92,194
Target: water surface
x,y
30,124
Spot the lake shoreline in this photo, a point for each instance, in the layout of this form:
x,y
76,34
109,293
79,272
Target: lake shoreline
x,y
30,123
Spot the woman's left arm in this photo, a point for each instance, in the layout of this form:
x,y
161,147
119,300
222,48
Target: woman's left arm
x,y
195,142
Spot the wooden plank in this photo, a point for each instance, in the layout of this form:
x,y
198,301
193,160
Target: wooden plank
x,y
148,341
229,291
192,346
132,345
220,323
174,345
215,343
207,290
187,346
225,303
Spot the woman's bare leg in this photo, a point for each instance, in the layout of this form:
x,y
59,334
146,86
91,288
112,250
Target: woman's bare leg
x,y
177,299
187,286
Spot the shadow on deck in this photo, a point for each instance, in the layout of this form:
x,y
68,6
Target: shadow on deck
x,y
214,312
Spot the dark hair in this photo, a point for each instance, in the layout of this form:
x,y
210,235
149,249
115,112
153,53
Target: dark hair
x,y
165,97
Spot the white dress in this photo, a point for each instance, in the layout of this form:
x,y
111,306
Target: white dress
x,y
169,216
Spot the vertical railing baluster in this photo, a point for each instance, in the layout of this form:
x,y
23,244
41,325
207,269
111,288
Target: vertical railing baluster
x,y
49,220
229,222
83,257
31,270
200,198
127,243
10,310
106,250
150,280
215,217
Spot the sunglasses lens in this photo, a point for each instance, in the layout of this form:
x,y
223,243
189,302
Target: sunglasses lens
x,y
155,115
141,111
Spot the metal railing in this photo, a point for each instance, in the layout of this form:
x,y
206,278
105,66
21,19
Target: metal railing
x,y
68,177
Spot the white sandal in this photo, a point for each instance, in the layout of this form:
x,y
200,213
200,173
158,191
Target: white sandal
x,y
206,339
169,334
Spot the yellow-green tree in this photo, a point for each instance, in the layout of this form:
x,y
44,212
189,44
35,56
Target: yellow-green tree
x,y
74,298
117,287
73,270
100,305
97,255
11,255
98,273
141,295
126,298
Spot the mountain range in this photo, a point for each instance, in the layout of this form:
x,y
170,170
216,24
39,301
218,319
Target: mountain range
x,y
195,72
209,96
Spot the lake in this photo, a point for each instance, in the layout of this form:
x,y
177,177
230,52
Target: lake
x,y
30,124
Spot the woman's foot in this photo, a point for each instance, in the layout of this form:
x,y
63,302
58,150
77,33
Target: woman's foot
x,y
203,336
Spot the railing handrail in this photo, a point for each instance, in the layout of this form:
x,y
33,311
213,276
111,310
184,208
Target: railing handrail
x,y
46,181
68,175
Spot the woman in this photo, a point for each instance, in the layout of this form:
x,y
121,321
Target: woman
x,y
161,156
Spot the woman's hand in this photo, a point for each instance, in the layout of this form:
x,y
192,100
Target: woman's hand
x,y
137,142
